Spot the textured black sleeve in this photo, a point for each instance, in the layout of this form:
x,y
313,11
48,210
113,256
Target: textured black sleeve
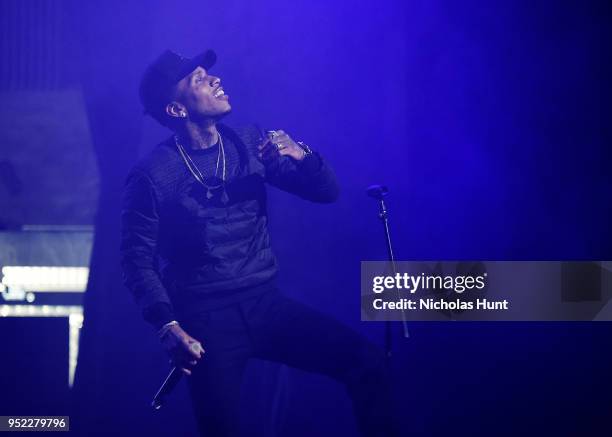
x,y
312,178
139,233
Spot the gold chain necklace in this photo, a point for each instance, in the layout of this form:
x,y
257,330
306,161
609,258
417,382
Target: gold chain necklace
x,y
197,174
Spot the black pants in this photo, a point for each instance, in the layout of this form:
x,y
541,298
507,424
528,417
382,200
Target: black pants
x,y
276,328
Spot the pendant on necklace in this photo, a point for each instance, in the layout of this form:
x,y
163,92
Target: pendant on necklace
x,y
224,197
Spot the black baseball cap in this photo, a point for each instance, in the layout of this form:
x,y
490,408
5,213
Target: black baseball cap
x,y
164,73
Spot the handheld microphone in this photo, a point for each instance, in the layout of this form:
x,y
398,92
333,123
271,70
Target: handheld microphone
x,y
171,381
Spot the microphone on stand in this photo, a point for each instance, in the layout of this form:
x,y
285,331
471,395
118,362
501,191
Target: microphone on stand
x,y
377,191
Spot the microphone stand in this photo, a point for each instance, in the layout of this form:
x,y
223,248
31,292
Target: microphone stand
x,y
379,192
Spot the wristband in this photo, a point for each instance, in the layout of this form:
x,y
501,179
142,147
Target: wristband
x,y
164,329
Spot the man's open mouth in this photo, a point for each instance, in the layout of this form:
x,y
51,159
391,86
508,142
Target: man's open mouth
x,y
219,93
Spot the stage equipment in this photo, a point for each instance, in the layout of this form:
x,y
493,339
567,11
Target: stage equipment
x,y
379,192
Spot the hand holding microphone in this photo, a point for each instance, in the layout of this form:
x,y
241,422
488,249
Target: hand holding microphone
x,y
184,350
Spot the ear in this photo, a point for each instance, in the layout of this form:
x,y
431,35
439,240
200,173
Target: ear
x,y
176,110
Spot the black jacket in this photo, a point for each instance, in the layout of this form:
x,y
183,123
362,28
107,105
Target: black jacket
x,y
181,252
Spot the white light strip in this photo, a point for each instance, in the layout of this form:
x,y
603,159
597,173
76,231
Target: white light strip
x,y
39,310
75,321
45,279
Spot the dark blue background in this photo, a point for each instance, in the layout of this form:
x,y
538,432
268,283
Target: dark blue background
x,y
488,122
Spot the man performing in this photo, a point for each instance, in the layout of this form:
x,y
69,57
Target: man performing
x,y
196,252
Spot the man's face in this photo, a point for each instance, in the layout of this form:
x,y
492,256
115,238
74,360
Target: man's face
x,y
202,95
